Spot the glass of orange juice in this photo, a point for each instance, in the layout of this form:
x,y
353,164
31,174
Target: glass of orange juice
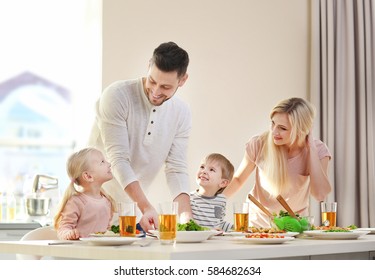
x,y
168,222
241,216
127,218
328,211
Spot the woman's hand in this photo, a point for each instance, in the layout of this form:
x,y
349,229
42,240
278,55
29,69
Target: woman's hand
x,y
310,140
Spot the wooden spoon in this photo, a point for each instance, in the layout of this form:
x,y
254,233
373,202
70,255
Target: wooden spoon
x,y
286,206
261,207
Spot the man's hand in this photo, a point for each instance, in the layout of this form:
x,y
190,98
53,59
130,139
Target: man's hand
x,y
149,220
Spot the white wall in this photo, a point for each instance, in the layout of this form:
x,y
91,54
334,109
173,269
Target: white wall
x,y
246,55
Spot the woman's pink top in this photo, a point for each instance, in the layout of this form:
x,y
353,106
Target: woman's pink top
x,y
297,196
86,214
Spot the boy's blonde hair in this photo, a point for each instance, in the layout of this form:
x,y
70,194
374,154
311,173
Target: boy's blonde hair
x,y
301,115
76,165
227,168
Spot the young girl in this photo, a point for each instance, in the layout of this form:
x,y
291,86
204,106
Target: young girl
x,y
88,210
207,203
287,161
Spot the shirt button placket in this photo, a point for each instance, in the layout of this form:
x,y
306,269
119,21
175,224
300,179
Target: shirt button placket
x,y
150,127
152,122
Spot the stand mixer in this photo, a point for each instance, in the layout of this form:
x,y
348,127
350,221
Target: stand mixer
x,y
41,204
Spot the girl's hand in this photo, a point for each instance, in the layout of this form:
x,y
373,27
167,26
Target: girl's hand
x,y
73,234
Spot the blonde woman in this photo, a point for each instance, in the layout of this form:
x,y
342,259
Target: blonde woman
x,y
287,161
87,209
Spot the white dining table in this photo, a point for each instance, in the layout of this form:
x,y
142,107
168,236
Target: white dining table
x,y
216,248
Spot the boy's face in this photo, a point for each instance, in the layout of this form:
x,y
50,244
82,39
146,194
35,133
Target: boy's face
x,y
209,178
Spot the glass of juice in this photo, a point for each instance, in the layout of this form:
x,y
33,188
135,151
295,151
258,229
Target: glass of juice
x,y
127,218
328,211
168,222
241,216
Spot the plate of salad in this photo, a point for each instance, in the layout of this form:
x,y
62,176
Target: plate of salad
x,y
113,232
336,233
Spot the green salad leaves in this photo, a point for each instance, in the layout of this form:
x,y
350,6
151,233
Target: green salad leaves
x,y
190,226
115,229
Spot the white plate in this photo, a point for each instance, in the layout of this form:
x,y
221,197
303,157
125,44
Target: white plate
x,y
104,234
215,233
371,230
110,235
190,236
235,233
288,233
321,234
109,241
244,239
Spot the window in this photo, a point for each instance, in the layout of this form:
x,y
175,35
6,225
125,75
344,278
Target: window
x,y
50,78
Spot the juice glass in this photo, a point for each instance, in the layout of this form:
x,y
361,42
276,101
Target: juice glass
x,y
127,218
168,222
328,211
241,216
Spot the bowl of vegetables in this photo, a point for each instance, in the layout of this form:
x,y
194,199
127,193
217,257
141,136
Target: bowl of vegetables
x,y
190,232
193,232
284,221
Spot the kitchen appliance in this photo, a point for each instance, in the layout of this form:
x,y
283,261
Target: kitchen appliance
x,y
44,196
38,206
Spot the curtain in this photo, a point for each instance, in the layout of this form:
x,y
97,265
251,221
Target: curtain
x,y
342,87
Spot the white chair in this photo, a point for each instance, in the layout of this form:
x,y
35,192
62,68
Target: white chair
x,y
43,233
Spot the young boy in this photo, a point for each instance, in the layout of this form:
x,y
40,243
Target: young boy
x,y
207,202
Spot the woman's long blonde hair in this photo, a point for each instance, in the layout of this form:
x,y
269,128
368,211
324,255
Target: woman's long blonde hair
x,y
301,115
76,165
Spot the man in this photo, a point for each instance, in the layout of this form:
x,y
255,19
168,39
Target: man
x,y
140,127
